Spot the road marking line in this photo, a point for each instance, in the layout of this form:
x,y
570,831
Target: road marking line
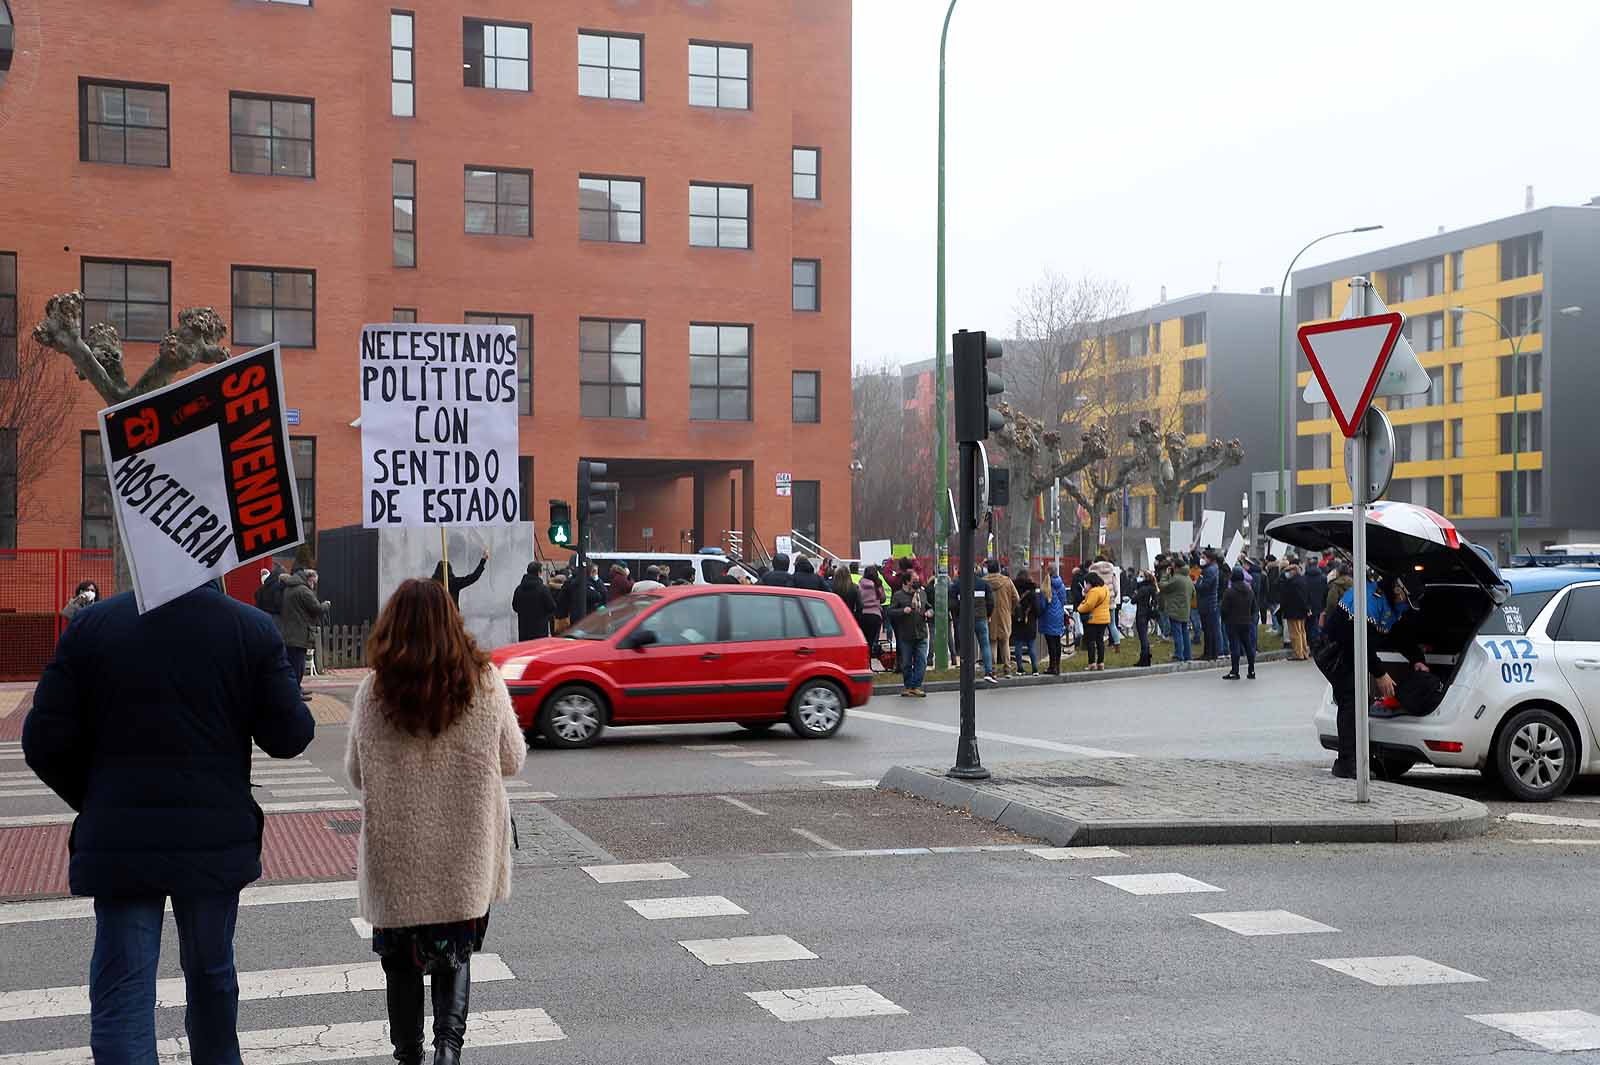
x,y
531,796
517,782
18,755
1265,923
24,793
819,773
998,737
780,763
685,906
931,1056
735,753
35,820
267,895
362,927
1556,1030
711,746
1403,970
306,793
851,783
746,807
310,805
1157,883
331,1042
299,982
879,852
1062,854
1565,842
746,950
276,774
635,873
824,1003
1552,819
21,774
814,838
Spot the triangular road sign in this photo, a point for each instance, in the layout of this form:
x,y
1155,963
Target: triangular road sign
x,y
1347,358
1404,375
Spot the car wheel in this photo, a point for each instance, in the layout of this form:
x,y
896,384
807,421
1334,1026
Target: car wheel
x,y
817,710
757,726
572,717
1535,755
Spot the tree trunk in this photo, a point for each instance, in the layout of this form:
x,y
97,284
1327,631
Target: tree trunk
x,y
1165,510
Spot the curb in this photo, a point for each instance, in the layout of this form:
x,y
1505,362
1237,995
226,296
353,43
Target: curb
x,y
1119,673
1470,819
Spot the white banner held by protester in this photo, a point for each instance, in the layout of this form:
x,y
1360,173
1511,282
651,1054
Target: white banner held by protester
x,y
875,552
439,425
1235,549
1211,528
1180,537
202,480
1152,548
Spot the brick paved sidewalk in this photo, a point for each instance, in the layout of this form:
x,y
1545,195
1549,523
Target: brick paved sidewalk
x,y
1192,800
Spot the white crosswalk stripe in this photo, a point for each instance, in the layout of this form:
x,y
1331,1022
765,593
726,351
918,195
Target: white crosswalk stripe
x,y
267,895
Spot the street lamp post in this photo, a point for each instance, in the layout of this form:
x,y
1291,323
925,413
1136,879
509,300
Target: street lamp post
x,y
1283,399
1516,392
941,483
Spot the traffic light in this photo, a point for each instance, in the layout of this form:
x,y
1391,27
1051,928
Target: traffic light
x,y
560,531
974,384
591,492
999,486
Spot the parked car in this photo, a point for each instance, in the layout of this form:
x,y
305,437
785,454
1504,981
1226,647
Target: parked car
x,y
695,653
1518,650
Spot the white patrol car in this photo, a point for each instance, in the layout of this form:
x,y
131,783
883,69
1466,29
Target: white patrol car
x,y
1519,651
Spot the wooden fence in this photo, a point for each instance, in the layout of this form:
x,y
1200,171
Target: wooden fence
x,y
342,646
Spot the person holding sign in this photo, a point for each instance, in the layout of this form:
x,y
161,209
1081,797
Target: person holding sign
x,y
444,575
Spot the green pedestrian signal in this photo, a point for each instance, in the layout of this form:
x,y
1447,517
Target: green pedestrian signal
x,y
560,532
560,535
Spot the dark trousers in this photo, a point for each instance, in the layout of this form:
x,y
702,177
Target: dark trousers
x,y
122,977
297,662
1345,701
1143,627
1053,645
871,625
1239,642
1212,631
1094,638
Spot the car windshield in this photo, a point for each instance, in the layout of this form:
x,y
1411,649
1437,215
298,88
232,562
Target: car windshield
x,y
608,620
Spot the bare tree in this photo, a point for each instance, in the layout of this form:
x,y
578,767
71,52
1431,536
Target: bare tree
x,y
878,448
1175,468
36,403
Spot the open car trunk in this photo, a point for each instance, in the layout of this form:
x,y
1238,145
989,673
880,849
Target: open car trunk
x,y
1459,580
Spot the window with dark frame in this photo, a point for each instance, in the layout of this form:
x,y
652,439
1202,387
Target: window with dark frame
x,y
1522,256
1531,373
1194,418
719,372
524,327
402,62
303,450
1457,437
1458,386
719,75
806,395
610,368
525,486
123,123
404,173
272,135
1529,433
806,510
133,296
1194,374
807,173
719,216
495,54
610,65
1458,271
499,202
95,520
404,314
611,209
1194,329
274,304
1531,485
8,314
1314,302
1456,481
8,489
1523,314
807,283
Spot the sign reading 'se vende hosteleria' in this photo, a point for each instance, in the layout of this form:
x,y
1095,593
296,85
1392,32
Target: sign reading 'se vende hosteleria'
x,y
439,425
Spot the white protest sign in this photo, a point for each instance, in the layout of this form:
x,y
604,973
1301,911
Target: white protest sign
x,y
1235,549
874,552
438,425
783,545
785,484
1180,537
1152,548
201,476
1211,528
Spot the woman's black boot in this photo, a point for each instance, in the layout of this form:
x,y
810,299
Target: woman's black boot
x,y
403,985
451,989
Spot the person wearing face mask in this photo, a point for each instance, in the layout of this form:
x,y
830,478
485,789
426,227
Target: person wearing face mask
x,y
909,608
85,595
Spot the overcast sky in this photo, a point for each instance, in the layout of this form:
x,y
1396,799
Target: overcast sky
x,y
1186,144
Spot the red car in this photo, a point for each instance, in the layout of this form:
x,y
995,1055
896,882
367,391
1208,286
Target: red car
x,y
699,653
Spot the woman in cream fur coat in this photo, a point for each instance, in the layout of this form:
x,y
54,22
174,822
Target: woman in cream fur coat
x,y
432,735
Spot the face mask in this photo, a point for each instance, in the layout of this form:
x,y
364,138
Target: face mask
x,y
89,594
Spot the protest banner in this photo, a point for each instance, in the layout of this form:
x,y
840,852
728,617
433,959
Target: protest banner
x,y
1180,537
438,425
1152,548
1211,528
874,552
1235,549
201,476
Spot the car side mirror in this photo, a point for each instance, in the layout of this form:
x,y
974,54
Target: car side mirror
x,y
640,638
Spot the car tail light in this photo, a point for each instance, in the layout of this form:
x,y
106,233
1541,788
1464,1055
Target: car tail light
x,y
1443,746
514,668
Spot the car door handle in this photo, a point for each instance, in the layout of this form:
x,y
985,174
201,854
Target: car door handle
x,y
807,651
1587,663
710,656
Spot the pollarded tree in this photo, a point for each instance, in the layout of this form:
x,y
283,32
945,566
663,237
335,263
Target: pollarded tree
x,y
1176,468
1037,460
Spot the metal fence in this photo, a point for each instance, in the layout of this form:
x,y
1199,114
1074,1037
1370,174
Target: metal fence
x,y
35,583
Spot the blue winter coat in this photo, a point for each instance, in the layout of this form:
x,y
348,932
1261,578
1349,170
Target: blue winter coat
x,y
1053,621
1207,591
143,724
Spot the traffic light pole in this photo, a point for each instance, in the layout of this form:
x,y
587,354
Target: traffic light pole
x,y
968,765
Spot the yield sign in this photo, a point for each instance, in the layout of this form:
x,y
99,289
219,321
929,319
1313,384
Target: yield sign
x,y
1347,358
1404,376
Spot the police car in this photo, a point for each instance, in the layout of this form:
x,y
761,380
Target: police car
x,y
1518,650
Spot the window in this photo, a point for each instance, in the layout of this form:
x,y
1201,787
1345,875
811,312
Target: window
x,y
1194,329
719,373
1194,418
1155,344
272,135
719,75
405,212
304,452
765,617
1532,484
719,216
8,314
1194,374
1402,443
495,54
610,368
499,202
1399,285
524,326
525,486
610,66
122,123
8,489
1458,271
1521,314
1435,276
95,518
270,304
1434,486
1458,330
1435,434
402,54
611,209
1314,303
807,173
134,297
1138,339
1435,386
823,621
1530,432
403,314
1458,387
807,282
1457,441
1435,331
695,619
1525,379
1581,621
1521,256
806,395
1455,493
807,510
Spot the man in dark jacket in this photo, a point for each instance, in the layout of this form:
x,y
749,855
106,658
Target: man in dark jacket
x,y
805,576
1314,581
302,612
533,604
143,724
457,584
1207,591
778,576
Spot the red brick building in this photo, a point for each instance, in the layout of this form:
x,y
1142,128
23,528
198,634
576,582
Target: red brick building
x,y
636,186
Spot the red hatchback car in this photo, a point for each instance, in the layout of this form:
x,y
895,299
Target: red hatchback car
x,y
700,653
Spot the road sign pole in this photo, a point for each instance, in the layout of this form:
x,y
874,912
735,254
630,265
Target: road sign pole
x,y
1358,553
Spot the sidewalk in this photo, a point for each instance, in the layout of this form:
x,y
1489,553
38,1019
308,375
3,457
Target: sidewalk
x,y
1180,801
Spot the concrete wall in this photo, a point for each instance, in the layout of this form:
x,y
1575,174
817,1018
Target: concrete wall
x,y
405,553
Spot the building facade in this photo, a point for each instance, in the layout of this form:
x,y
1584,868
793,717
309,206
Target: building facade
x,y
635,187
1530,281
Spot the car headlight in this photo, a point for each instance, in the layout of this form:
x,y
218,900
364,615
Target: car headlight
x,y
514,668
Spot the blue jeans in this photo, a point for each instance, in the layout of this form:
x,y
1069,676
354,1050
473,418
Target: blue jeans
x,y
1181,651
916,658
122,977
985,648
1112,632
1024,649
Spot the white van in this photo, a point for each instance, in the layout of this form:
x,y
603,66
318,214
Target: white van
x,y
705,568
